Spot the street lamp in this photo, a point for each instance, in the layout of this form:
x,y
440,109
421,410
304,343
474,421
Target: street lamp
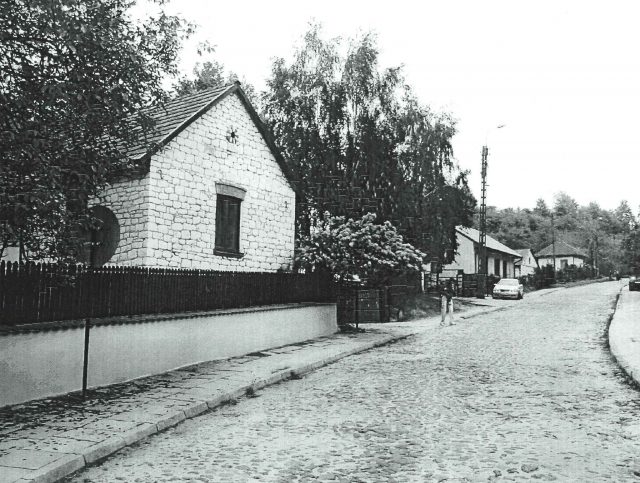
x,y
482,262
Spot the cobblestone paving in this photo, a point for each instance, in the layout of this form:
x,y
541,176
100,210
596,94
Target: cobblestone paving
x,y
529,393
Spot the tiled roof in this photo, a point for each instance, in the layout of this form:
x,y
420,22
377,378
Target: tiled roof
x,y
492,243
177,114
562,249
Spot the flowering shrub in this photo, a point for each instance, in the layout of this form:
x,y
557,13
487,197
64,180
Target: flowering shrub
x,y
357,249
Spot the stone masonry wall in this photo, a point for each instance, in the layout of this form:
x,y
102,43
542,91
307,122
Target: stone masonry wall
x,y
182,201
129,201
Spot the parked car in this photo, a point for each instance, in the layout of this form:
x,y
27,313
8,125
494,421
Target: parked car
x,y
634,283
508,288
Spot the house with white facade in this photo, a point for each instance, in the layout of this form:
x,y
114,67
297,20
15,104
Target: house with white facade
x,y
561,255
527,264
500,258
215,192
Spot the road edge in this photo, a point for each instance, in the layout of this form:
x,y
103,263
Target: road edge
x,y
71,463
617,345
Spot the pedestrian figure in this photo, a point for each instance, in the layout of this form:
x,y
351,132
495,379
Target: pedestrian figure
x,y
446,300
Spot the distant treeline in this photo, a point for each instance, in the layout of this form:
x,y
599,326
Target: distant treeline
x,y
613,235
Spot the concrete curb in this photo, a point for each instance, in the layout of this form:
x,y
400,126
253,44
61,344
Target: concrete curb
x,y
619,342
149,424
196,404
70,463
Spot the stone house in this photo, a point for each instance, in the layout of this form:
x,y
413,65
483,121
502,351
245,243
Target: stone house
x,y
215,194
500,258
527,264
563,254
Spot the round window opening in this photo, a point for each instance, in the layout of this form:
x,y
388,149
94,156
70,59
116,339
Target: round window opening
x,y
100,243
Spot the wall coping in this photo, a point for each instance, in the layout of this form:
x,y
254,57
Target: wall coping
x,y
147,318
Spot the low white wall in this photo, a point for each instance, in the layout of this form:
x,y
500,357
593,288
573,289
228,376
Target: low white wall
x,y
40,364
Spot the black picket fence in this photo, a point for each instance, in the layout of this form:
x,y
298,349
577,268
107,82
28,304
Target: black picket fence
x,y
42,292
359,303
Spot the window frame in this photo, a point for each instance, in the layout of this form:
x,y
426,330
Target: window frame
x,y
228,195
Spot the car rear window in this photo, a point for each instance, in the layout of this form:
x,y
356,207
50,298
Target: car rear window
x,y
508,281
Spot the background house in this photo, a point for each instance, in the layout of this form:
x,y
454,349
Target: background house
x,y
500,258
527,264
565,255
215,194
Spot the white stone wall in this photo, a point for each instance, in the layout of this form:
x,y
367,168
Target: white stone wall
x,y
182,203
168,218
42,364
129,201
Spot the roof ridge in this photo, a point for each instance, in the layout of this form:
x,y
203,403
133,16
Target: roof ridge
x,y
559,245
474,235
175,115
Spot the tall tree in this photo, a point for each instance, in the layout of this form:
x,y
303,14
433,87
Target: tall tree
x,y
631,251
541,208
358,141
608,236
77,76
205,75
624,217
211,73
565,210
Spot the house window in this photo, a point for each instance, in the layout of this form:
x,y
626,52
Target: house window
x,y
564,263
228,208
496,267
504,268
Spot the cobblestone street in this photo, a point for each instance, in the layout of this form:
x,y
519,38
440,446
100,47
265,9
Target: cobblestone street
x,y
530,392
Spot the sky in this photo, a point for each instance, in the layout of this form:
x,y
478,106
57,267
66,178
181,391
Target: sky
x,y
563,77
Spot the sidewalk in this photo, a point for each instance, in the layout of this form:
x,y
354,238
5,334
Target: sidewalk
x,y
45,440
624,333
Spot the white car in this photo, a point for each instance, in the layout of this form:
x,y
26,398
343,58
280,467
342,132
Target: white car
x,y
508,288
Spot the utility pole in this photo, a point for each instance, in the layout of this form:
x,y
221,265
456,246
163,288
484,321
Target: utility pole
x,y
553,242
482,262
595,258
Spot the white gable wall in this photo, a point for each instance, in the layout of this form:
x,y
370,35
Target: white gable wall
x,y
466,258
528,264
182,202
168,218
